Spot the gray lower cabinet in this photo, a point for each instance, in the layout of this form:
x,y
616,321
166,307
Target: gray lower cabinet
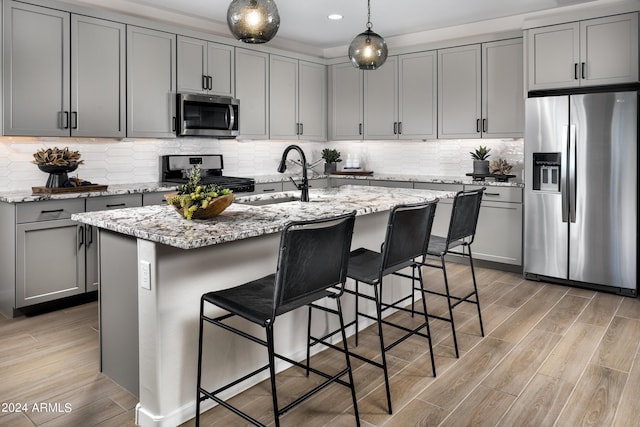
x,y
337,182
50,251
265,187
91,233
313,183
155,198
499,231
443,211
45,255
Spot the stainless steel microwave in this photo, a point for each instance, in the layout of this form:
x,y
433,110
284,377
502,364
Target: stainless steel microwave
x,y
208,115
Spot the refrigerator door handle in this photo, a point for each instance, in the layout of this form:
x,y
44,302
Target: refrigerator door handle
x,y
564,174
572,173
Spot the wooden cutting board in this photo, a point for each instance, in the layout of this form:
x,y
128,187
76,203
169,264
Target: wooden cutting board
x,y
62,190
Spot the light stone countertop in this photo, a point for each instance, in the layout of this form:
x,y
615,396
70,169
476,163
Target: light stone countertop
x,y
21,196
162,224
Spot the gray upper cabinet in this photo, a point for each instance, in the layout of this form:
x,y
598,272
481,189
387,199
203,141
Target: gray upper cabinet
x,y
400,99
205,67
346,102
480,91
252,89
151,83
297,106
459,92
502,89
98,67
591,52
64,73
381,101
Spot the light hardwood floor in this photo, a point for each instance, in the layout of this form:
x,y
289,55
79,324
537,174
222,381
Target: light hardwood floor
x,y
552,355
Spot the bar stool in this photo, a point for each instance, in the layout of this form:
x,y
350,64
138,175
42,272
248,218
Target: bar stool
x,y
407,237
462,230
312,265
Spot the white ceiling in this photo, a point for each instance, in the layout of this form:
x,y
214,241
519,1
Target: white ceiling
x,y
306,22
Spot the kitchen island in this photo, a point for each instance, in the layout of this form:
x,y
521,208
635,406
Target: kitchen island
x,y
155,265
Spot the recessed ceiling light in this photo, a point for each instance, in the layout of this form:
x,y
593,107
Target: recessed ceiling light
x,y
335,16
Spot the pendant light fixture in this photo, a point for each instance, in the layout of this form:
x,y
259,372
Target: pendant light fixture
x,y
253,21
368,50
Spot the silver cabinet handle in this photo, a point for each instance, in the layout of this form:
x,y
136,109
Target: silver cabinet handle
x,y
572,173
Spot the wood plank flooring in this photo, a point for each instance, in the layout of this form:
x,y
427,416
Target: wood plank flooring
x,y
552,356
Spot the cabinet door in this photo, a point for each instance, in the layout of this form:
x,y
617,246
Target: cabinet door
x,y
151,83
221,69
417,96
381,101
50,261
345,101
609,50
192,65
91,233
445,206
283,100
98,70
499,233
502,89
459,88
312,101
36,70
252,88
553,56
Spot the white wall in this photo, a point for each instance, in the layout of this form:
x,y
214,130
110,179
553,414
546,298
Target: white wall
x,y
111,161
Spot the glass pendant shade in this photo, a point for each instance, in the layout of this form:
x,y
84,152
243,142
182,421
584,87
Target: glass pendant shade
x,y
368,51
253,21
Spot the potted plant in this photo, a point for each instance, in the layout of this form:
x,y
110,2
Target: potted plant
x,y
331,158
480,162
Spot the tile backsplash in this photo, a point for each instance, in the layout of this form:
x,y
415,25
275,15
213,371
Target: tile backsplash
x,y
121,161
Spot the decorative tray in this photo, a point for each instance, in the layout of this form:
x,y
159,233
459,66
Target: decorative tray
x,y
497,176
353,172
61,190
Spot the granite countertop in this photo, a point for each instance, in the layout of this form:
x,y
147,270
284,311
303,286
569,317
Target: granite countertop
x,y
162,224
112,190
21,196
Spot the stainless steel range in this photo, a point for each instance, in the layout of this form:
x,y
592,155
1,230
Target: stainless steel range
x,y
175,169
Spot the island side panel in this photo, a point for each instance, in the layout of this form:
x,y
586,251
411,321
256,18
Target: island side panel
x,y
118,305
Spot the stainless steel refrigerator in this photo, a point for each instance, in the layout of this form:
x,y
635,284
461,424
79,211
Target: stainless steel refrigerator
x,y
581,190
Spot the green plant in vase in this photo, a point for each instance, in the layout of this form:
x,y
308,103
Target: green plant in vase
x,y
331,158
480,162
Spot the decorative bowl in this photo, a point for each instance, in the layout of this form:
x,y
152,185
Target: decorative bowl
x,y
57,174
215,207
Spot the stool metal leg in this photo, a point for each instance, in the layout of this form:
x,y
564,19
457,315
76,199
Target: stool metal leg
x,y
382,347
357,308
426,320
348,359
446,287
308,339
475,288
199,381
272,372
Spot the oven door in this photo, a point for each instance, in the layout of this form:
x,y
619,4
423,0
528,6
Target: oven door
x,y
208,115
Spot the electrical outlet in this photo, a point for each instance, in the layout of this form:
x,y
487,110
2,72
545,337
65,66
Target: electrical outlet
x,y
145,274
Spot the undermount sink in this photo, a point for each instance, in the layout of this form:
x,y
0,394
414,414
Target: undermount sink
x,y
269,201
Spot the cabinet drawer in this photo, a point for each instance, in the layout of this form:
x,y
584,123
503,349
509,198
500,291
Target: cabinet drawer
x,y
391,184
114,202
313,183
155,198
48,210
438,187
267,187
499,194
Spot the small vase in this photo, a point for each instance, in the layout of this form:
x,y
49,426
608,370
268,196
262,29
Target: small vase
x,y
330,168
481,167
